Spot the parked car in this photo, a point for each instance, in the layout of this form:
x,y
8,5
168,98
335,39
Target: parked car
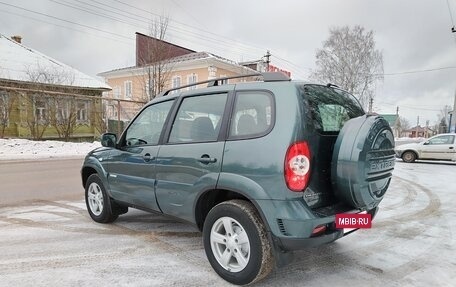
x,y
439,147
261,168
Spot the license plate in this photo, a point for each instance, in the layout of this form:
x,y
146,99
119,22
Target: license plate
x,y
351,221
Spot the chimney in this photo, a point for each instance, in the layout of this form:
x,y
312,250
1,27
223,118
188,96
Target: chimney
x,y
17,38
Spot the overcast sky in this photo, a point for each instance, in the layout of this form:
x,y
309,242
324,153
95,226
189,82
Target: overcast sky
x,y
98,35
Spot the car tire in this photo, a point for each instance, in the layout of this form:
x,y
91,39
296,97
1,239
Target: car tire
x,y
236,242
363,161
98,202
409,156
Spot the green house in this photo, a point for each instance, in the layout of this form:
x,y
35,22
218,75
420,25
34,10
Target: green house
x,y
394,122
42,98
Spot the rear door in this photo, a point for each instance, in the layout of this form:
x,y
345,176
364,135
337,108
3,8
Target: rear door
x,y
190,160
326,110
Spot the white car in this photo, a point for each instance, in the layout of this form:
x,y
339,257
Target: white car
x,y
439,147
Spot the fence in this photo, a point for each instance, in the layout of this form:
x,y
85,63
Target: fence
x,y
119,112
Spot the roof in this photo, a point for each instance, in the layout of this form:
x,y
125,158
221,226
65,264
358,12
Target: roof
x,y
180,59
20,63
419,129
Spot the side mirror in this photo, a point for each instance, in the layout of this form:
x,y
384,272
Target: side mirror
x,y
108,140
426,143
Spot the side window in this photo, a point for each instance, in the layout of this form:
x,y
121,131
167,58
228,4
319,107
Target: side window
x,y
147,127
252,115
198,119
448,139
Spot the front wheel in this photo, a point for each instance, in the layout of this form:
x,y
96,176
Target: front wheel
x,y
98,202
236,243
409,156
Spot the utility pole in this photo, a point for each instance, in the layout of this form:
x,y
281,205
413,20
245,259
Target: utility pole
x,y
417,125
268,54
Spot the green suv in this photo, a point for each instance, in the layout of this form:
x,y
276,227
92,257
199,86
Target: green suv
x,y
260,167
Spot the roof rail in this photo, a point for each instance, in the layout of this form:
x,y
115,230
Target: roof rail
x,y
267,77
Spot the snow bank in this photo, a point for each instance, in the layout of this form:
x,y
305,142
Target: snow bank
x,y
26,149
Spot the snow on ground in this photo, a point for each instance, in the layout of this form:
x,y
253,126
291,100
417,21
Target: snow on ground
x,y
11,149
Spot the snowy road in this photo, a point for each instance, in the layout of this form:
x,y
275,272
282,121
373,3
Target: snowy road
x,y
50,243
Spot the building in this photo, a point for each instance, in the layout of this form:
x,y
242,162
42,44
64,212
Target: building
x,y
42,98
395,123
179,66
419,132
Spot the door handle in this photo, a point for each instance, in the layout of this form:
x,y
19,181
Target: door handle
x,y
451,147
206,159
147,157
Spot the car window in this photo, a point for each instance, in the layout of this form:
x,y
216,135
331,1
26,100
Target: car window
x,y
252,115
198,119
447,139
146,128
330,108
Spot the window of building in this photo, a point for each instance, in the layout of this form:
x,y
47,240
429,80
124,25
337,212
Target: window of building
x,y
62,110
176,82
191,79
128,89
223,82
82,112
4,106
112,112
116,91
41,111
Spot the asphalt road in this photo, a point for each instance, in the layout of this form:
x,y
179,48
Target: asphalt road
x,y
52,242
29,181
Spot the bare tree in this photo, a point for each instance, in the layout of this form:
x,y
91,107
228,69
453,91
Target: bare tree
x,y
63,116
37,117
98,117
442,119
6,106
349,59
44,110
157,71
403,125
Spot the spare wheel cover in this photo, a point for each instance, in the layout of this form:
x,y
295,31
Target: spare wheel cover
x,y
363,161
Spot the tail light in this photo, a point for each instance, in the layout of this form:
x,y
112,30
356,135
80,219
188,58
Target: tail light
x,y
297,166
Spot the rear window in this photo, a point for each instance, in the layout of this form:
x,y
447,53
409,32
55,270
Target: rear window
x,y
329,108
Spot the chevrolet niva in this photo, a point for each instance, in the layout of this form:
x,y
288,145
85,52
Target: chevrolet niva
x,y
260,167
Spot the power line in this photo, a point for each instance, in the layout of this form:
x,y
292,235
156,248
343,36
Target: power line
x,y
65,27
64,20
416,71
408,107
177,30
449,11
186,12
190,26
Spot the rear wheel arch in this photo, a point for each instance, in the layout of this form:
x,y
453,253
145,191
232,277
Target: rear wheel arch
x,y
210,198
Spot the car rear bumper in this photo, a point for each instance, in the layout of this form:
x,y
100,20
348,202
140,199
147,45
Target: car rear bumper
x,y
291,244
